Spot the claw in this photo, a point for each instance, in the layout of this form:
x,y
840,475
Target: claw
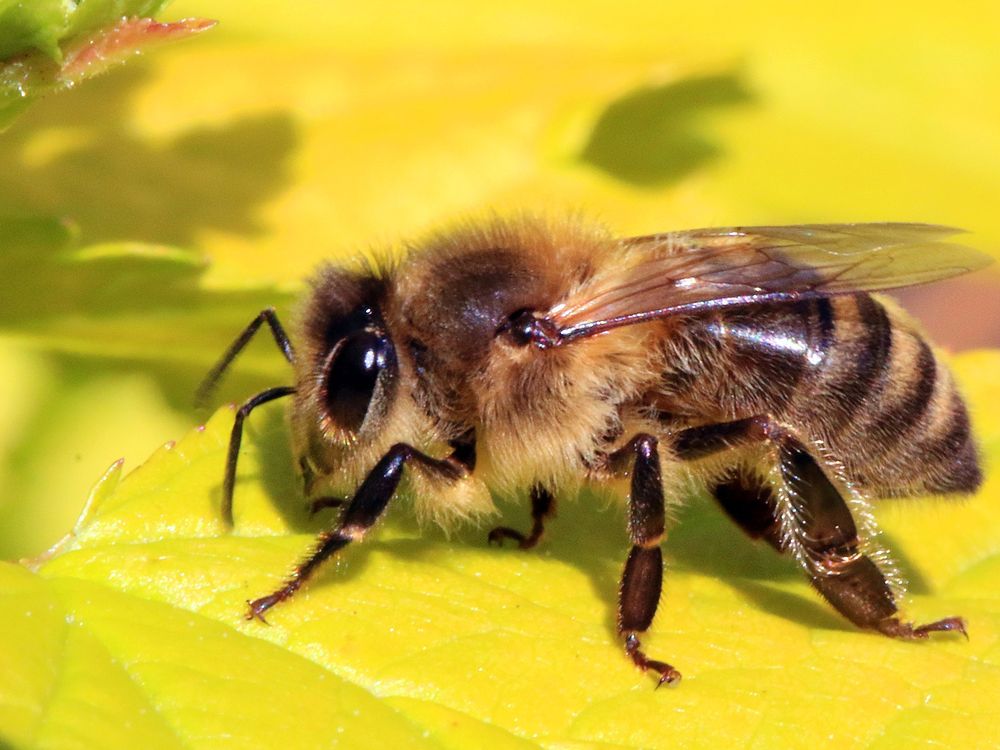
x,y
947,624
253,613
908,631
497,535
668,675
259,606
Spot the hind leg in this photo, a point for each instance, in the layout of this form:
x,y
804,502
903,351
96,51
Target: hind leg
x,y
812,519
750,504
826,533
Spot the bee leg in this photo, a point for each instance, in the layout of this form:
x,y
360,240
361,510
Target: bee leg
x,y
542,507
747,500
361,513
322,503
642,578
308,476
280,338
309,480
750,504
826,533
236,438
701,442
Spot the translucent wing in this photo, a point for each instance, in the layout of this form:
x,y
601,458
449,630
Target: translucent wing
x,y
665,274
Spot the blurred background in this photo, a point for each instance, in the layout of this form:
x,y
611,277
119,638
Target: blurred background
x,y
151,213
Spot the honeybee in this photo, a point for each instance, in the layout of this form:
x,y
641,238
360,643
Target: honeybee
x,y
527,355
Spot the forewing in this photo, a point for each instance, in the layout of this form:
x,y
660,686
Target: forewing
x,y
665,274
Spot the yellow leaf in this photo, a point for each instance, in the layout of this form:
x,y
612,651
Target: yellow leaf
x,y
329,128
288,137
458,644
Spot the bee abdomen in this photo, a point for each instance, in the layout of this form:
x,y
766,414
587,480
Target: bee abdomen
x,y
907,407
929,448
850,373
890,408
854,354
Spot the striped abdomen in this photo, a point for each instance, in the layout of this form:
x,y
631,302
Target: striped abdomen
x,y
849,371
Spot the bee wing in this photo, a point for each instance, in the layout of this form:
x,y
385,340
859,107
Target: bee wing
x,y
665,274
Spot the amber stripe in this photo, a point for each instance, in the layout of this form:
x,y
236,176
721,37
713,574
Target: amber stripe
x,y
898,418
872,363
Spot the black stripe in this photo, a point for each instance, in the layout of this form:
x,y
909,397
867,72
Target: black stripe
x,y
822,311
767,340
819,336
900,417
871,361
959,430
955,453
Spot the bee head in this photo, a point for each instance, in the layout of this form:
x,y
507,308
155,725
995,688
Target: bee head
x,y
350,362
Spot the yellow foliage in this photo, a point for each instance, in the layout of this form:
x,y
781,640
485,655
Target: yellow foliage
x,y
415,640
301,131
313,130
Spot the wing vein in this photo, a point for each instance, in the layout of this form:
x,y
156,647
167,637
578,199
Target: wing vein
x,y
666,274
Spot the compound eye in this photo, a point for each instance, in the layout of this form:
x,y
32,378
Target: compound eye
x,y
352,376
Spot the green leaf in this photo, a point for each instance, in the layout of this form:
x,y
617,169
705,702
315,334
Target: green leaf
x,y
417,640
36,25
51,45
125,299
75,322
41,25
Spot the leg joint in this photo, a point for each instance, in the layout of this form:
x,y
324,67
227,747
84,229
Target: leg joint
x,y
835,561
645,446
700,442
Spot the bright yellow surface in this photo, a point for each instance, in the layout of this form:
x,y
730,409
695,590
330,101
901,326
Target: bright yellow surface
x,y
289,135
421,641
308,130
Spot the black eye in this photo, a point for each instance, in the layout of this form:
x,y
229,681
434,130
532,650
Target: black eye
x,y
352,375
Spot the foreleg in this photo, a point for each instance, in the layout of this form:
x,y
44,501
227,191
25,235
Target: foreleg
x,y
361,513
236,439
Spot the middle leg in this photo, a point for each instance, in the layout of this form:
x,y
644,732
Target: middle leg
x,y
642,579
542,507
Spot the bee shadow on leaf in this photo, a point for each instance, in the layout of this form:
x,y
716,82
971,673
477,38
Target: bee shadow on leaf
x,y
80,154
587,533
655,134
267,430
590,534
